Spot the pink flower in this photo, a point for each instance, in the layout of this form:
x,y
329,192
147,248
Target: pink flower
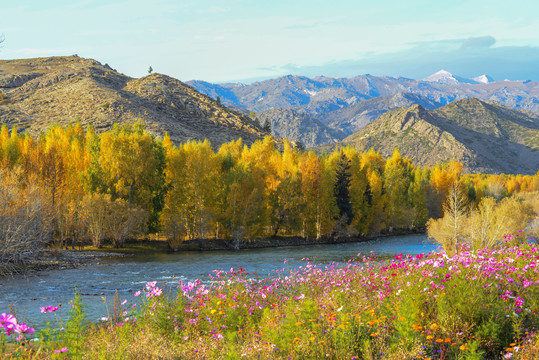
x,y
47,309
8,321
137,293
124,302
62,350
150,285
157,291
519,301
24,329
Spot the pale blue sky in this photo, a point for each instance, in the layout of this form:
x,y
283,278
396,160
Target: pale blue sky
x,y
218,40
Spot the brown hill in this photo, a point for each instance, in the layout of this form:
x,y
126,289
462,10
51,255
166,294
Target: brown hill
x,y
485,137
38,92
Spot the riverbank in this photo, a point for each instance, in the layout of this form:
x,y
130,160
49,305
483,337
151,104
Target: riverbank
x,y
55,259
51,259
276,242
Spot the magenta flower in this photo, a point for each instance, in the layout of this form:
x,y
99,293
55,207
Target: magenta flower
x,y
62,350
8,321
519,301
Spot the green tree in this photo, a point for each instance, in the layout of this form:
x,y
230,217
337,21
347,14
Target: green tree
x,y
150,70
342,188
267,126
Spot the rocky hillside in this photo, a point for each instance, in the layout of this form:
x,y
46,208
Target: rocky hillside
x,y
299,126
355,117
38,92
485,137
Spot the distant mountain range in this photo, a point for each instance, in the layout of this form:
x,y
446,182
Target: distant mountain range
x,y
485,137
35,93
348,104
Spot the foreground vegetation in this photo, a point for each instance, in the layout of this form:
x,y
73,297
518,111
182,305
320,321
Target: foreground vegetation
x,y
473,305
72,186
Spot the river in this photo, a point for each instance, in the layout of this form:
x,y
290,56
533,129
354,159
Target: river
x,y
98,283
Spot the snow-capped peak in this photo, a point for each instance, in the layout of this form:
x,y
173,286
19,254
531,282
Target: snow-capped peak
x,y
445,77
441,76
484,79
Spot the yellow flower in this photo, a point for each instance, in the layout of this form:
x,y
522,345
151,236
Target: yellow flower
x,y
434,327
213,311
296,339
430,337
374,334
439,340
462,347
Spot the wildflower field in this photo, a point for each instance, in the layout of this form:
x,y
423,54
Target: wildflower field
x,y
473,305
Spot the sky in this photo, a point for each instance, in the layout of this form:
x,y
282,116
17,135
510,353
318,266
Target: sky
x,y
248,40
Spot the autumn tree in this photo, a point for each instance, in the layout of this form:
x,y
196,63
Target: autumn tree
x,y
397,180
23,223
451,230
317,215
192,172
131,166
285,200
94,213
124,222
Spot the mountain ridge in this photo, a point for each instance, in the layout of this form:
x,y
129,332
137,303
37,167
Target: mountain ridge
x,y
325,98
485,137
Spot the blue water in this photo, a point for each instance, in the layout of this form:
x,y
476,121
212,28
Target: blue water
x,y
98,283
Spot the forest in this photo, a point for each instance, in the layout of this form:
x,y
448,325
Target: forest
x,y
72,186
